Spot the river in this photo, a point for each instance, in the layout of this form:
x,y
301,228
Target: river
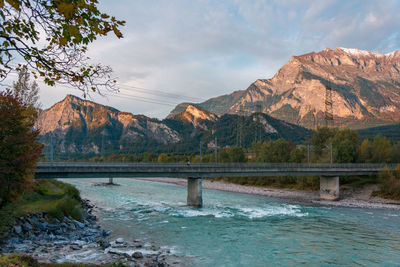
x,y
245,230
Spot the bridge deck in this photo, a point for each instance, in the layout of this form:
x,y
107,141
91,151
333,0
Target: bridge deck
x,y
106,170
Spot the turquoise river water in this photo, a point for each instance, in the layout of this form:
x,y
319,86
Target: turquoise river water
x,y
245,230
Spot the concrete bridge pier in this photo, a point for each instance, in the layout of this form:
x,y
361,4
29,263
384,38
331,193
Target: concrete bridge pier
x,y
110,180
329,187
194,192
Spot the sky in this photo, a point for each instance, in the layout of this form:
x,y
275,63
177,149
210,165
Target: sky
x,y
176,51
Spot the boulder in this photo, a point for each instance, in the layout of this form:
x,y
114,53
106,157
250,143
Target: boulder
x,y
105,233
41,226
103,243
17,230
53,227
78,224
119,240
137,255
27,227
75,247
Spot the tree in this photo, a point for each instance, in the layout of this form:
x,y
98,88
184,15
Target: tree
x,y
52,36
163,158
365,151
275,151
233,154
26,90
381,150
345,146
298,155
19,151
395,155
320,138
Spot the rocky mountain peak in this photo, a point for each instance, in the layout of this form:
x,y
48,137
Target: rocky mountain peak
x,y
365,90
195,115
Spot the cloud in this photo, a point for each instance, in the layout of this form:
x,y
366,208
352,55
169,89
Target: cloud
x,y
205,48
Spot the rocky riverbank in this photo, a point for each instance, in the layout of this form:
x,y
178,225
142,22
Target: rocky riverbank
x,y
67,240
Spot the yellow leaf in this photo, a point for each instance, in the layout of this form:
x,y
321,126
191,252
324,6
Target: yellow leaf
x,y
14,3
62,41
117,32
66,9
1,3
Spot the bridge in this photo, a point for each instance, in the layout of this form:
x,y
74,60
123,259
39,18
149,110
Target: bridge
x,y
194,173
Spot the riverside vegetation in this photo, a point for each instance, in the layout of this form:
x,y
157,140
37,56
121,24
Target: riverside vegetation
x,y
346,148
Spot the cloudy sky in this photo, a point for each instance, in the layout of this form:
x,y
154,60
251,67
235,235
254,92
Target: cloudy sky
x,y
190,50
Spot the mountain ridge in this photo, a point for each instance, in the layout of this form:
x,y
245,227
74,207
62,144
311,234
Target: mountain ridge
x,y
365,90
78,127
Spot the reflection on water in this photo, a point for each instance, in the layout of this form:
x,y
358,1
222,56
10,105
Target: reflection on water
x,y
243,230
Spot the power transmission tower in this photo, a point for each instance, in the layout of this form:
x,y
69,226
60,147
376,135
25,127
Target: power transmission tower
x,y
328,106
239,135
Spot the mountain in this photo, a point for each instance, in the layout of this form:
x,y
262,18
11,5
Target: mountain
x,y
76,128
365,90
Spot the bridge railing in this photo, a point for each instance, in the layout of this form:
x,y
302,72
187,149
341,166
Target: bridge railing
x,y
218,165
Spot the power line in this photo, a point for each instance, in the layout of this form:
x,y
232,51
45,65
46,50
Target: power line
x,y
136,98
158,92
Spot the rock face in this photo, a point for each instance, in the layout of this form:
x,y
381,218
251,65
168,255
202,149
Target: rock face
x,y
76,127
196,116
365,90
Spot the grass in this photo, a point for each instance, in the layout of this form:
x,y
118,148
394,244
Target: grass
x,y
14,260
55,198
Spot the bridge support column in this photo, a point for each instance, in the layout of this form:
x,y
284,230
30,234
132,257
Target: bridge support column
x,y
110,180
329,187
194,192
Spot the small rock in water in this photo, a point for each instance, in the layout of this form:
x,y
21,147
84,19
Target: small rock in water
x,y
120,240
137,255
105,233
104,243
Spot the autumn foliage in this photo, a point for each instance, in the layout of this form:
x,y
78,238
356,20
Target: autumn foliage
x,y
19,151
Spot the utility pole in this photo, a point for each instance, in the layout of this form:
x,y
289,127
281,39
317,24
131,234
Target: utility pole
x,y
216,150
331,154
51,148
308,153
201,144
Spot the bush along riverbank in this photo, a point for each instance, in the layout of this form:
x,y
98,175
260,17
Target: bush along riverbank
x,y
62,231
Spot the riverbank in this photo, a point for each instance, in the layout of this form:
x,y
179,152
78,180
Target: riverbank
x,y
359,197
57,239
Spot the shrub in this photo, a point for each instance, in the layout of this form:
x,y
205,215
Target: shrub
x,y
389,183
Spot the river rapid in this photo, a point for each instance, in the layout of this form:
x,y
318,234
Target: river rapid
x,y
244,230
